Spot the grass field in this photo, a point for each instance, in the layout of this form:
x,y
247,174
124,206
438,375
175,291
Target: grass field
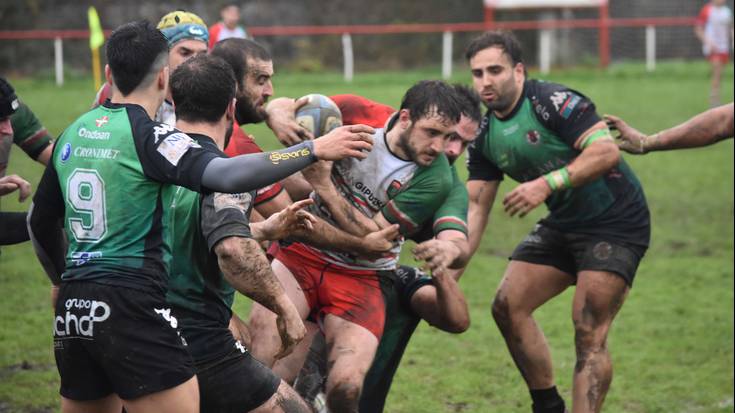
x,y
672,343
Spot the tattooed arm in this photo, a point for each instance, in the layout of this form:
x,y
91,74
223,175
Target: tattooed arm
x,y
225,225
247,269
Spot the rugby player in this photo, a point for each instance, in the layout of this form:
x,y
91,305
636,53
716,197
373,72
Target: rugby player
x,y
549,138
707,128
18,125
404,180
414,296
106,187
215,253
187,37
253,68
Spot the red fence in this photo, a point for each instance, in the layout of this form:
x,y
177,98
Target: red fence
x,y
603,24
394,28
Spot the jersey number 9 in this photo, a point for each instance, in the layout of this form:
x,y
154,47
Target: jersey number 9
x,y
85,193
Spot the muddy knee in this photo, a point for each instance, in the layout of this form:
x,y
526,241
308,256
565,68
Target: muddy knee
x,y
501,312
344,397
588,342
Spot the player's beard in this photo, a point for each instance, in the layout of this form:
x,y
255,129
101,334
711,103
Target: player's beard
x,y
504,96
404,142
246,112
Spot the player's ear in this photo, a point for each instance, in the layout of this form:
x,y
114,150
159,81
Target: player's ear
x,y
108,74
230,112
519,69
163,77
404,117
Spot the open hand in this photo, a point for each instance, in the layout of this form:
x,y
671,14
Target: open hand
x,y
351,141
282,121
527,196
629,139
289,220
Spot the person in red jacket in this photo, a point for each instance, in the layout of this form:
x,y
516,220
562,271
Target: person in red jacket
x,y
228,27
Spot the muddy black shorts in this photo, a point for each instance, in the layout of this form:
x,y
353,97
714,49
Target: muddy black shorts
x,y
572,253
235,383
112,339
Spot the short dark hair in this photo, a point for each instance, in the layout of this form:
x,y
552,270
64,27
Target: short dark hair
x,y
201,89
237,52
429,96
505,40
135,53
470,102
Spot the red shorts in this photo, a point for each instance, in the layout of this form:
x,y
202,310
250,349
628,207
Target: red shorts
x,y
353,295
718,57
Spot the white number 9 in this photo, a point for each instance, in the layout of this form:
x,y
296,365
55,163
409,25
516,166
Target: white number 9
x,y
85,193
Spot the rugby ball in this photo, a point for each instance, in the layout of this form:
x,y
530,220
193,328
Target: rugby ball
x,y
319,115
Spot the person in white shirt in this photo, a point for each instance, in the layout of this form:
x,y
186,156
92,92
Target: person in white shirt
x,y
715,30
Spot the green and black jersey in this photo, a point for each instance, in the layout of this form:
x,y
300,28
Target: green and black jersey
x,y
109,174
542,134
199,295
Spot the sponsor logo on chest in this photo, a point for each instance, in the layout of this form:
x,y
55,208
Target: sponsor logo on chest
x,y
93,134
368,195
96,153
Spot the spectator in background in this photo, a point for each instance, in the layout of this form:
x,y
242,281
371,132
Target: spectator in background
x,y
229,27
20,126
715,30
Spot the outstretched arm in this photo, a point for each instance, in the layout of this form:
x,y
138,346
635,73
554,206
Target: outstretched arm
x,y
247,172
704,129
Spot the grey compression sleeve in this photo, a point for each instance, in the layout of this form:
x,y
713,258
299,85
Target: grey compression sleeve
x,y
249,172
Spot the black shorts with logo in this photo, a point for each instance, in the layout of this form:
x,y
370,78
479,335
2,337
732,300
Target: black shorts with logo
x,y
574,252
112,339
236,382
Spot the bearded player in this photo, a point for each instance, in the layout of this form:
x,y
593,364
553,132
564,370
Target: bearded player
x,y
404,182
414,295
550,138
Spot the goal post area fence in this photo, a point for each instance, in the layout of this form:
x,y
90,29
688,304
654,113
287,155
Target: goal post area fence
x,y
548,42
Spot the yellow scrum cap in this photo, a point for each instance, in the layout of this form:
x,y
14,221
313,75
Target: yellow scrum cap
x,y
179,25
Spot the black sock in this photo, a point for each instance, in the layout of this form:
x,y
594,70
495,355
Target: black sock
x,y
547,401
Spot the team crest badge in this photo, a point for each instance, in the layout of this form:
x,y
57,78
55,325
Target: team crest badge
x,y
533,137
394,188
101,121
602,251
